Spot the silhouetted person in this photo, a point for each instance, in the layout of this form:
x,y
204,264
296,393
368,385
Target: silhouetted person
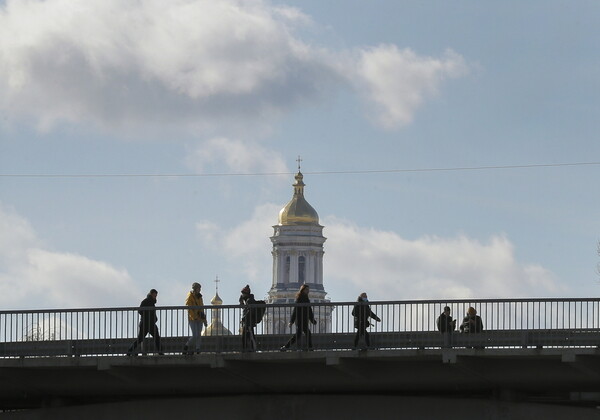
x,y
196,319
445,323
248,320
361,313
147,325
472,322
301,315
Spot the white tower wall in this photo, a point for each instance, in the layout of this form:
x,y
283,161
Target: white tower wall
x,y
297,259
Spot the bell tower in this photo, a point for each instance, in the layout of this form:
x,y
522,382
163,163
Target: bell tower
x,y
297,259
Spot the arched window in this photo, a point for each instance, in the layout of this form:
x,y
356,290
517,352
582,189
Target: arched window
x,y
301,271
286,275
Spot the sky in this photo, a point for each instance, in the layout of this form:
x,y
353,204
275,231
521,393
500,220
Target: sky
x,y
450,148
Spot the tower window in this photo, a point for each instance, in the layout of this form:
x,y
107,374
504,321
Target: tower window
x,y
287,270
301,267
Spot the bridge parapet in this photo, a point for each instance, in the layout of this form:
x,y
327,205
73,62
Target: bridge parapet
x,y
508,323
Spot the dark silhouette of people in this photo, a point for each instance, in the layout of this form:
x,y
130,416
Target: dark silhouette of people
x,y
147,325
301,315
472,322
248,320
361,313
445,323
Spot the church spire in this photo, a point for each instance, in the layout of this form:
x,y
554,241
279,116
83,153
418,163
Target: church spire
x,y
297,211
297,259
299,185
216,300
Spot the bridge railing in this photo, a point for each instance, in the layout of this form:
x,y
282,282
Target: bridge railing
x,y
404,324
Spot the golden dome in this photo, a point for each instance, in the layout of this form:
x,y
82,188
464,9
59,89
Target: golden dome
x,y
216,300
298,211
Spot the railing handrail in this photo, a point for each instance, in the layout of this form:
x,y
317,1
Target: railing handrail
x,y
395,324
376,303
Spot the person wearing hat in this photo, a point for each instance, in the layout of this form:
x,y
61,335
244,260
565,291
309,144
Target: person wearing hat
x,y
248,323
361,313
147,324
196,319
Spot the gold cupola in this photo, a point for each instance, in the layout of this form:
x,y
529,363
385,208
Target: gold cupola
x,y
216,300
216,326
298,211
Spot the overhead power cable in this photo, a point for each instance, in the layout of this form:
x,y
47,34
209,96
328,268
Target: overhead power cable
x,y
346,172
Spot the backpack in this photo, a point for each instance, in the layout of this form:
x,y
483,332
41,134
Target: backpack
x,y
257,309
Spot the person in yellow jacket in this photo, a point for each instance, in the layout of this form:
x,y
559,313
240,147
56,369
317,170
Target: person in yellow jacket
x,y
196,319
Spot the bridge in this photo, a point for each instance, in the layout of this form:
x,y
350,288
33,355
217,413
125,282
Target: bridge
x,y
535,356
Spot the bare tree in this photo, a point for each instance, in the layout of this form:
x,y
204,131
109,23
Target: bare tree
x,y
37,333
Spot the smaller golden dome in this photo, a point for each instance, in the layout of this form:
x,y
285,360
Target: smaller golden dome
x,y
216,300
298,211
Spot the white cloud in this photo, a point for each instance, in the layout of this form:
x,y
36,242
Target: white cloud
x,y
390,267
430,267
207,231
32,276
201,65
399,81
186,61
240,157
16,234
248,243
253,233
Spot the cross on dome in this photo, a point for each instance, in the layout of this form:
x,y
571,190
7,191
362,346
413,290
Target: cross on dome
x,y
217,299
217,281
297,211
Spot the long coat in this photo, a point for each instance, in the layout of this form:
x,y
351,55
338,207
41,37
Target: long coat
x,y
301,315
248,315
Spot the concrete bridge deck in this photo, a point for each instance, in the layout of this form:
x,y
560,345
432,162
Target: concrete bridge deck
x,y
532,375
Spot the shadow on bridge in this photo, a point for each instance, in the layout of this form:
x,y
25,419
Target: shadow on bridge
x,y
516,375
569,338
423,364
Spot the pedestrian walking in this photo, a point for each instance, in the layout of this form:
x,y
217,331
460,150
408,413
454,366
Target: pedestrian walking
x,y
147,323
196,319
361,313
248,321
301,316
